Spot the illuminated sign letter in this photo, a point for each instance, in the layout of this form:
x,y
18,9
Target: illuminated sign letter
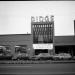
x,y
40,19
32,19
52,18
37,20
46,19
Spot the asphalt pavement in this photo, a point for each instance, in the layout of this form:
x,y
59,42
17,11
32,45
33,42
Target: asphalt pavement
x,y
38,69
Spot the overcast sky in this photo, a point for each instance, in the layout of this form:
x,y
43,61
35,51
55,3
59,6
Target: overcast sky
x,y
15,16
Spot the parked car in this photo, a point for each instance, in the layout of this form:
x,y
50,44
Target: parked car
x,y
21,56
33,58
43,56
73,57
62,56
21,53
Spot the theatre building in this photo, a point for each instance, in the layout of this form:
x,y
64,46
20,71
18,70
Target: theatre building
x,y
41,39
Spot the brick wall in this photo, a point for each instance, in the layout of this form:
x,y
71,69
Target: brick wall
x,y
19,39
26,39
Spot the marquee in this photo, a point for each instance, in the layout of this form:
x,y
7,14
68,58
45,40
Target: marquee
x,y
43,46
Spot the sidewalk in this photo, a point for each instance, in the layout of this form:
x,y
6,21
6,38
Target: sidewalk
x,y
36,62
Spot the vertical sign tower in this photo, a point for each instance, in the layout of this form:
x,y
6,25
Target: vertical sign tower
x,y
42,29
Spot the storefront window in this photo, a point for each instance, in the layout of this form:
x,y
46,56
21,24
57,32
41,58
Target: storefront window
x,y
5,52
21,48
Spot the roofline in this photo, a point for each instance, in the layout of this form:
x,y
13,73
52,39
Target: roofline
x,y
31,34
13,34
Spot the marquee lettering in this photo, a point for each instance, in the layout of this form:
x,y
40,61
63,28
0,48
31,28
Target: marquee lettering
x,y
42,19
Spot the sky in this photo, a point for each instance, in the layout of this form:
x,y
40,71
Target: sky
x,y
15,16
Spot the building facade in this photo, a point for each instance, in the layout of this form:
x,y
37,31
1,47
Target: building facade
x,y
23,41
43,34
41,39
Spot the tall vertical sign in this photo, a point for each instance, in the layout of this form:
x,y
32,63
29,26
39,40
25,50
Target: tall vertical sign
x,y
42,29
